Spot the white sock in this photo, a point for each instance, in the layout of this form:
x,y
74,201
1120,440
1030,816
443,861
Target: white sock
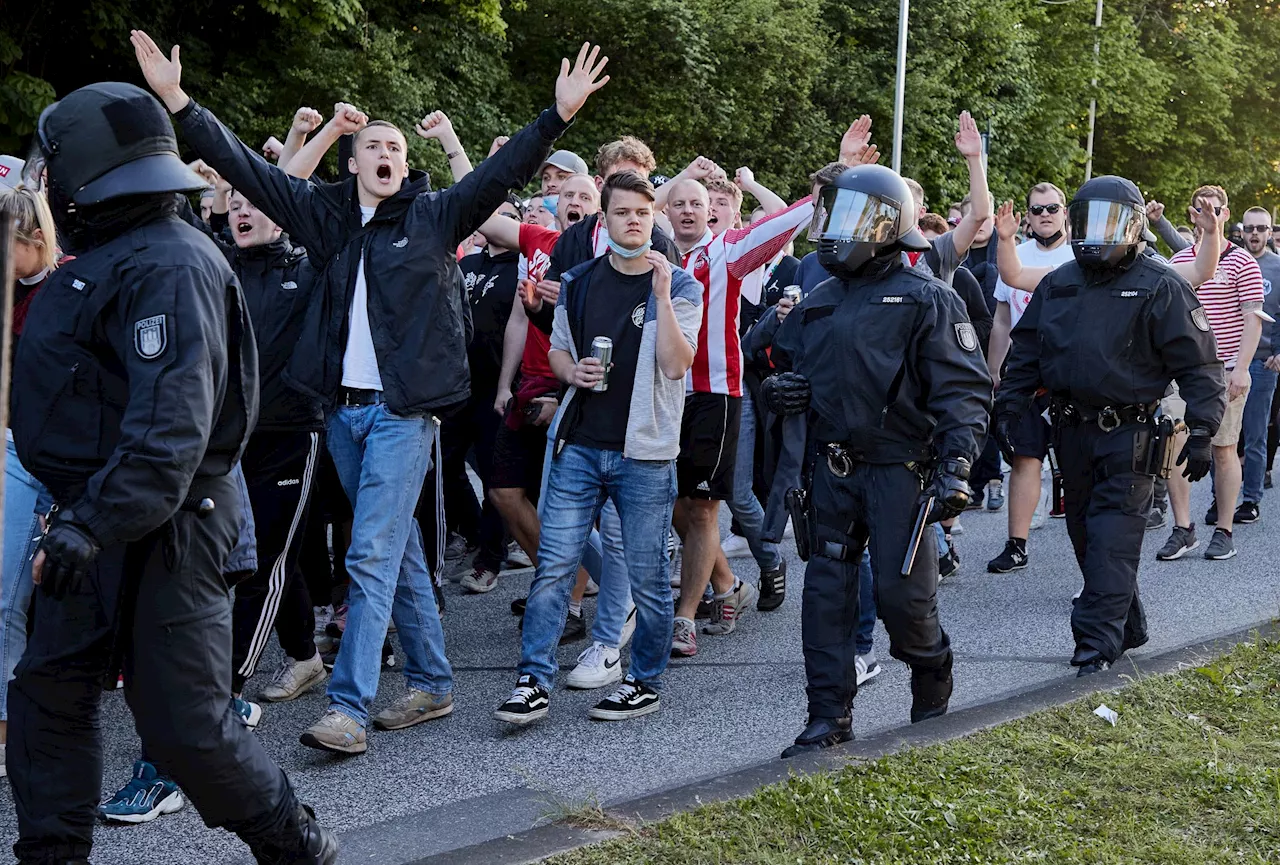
x,y
575,609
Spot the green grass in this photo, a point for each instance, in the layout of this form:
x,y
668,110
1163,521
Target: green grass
x,y
1190,775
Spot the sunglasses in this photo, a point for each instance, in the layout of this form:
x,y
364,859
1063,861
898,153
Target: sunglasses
x,y
1256,229
1037,209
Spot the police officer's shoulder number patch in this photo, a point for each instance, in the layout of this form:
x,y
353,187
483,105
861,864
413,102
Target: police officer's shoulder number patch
x,y
151,336
1199,319
966,336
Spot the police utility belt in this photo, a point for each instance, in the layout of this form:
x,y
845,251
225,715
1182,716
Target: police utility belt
x,y
842,457
1153,442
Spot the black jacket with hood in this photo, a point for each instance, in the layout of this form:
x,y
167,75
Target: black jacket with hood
x,y
416,311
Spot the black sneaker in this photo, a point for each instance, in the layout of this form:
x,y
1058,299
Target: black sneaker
x,y
930,691
1246,513
517,606
1266,480
631,700
575,628
1098,666
1157,519
1014,558
773,588
1221,546
1181,541
1211,515
821,733
307,841
948,564
527,703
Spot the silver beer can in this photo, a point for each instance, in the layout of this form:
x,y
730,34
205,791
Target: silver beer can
x,y
602,350
792,293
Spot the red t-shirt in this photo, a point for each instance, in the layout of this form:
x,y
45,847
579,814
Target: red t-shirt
x,y
536,244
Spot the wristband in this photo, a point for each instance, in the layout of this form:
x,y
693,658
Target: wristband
x,y
454,155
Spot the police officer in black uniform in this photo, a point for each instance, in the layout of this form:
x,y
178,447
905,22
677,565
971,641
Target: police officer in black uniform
x,y
885,366
135,392
1105,335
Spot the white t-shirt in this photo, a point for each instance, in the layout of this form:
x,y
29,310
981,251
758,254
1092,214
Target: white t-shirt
x,y
1031,254
359,362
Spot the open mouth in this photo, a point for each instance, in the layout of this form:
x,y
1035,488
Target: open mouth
x,y
712,221
384,172
243,228
573,216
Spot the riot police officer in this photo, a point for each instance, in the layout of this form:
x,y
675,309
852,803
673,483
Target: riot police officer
x,y
135,392
884,365
1105,335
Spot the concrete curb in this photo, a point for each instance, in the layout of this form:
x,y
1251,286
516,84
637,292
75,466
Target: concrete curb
x,y
538,843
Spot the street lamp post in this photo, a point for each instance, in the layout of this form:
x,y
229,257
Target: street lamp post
x,y
901,84
1093,102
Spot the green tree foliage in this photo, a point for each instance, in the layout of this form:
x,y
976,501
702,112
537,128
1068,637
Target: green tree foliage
x,y
1184,87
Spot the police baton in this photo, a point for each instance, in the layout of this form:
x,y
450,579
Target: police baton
x,y
917,533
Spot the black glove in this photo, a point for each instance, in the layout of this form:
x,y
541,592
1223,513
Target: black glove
x,y
786,393
1005,423
69,549
1197,453
951,491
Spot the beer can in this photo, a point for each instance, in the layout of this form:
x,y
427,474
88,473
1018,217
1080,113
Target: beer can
x,y
792,293
602,350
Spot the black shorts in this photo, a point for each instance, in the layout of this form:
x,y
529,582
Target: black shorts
x,y
517,459
1031,432
708,446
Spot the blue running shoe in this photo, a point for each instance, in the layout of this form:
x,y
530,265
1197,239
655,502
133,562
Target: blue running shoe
x,y
250,713
144,798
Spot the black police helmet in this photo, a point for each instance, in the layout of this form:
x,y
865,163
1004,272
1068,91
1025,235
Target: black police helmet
x,y
1108,220
866,212
109,140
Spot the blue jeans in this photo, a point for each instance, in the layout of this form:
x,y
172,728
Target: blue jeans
x,y
644,492
1257,414
382,460
866,605
245,555
21,529
744,505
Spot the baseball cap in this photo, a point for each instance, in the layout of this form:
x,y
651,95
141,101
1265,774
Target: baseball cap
x,y
565,160
10,171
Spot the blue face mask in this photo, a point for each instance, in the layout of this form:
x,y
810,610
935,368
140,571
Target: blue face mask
x,y
623,252
550,202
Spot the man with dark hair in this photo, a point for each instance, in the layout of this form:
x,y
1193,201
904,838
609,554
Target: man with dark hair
x,y
618,439
384,348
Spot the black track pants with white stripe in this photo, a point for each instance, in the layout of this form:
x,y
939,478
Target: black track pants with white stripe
x,y
279,468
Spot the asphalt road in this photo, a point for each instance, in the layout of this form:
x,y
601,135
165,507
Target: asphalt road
x,y
466,778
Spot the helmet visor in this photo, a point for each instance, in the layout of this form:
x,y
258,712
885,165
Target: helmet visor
x,y
846,214
1105,223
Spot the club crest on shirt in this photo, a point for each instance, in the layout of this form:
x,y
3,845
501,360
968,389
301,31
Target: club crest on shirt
x,y
1266,287
1199,319
966,336
151,336
637,316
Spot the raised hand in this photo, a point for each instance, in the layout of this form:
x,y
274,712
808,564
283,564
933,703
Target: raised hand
x,y
1206,219
272,148
744,177
202,168
1007,222
870,156
661,274
1155,210
968,139
347,118
163,74
306,120
498,143
855,140
578,82
435,125
700,168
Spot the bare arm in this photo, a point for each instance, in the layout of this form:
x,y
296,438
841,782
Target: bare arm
x,y
305,121
1010,266
969,143
502,230
513,339
770,201
1201,270
438,126
346,119
700,169
999,345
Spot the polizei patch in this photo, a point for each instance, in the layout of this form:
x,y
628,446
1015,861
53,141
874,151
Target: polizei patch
x,y
1199,319
966,336
151,336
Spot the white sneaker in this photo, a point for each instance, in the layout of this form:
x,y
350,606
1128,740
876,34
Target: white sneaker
x,y
867,667
324,615
593,589
597,666
628,627
293,679
956,528
517,558
736,547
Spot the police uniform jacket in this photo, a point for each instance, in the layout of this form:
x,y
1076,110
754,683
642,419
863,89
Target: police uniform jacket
x,y
417,314
1115,337
136,377
895,368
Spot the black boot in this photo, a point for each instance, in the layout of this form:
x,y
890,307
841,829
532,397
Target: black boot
x,y
930,691
773,588
1089,661
821,733
306,842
